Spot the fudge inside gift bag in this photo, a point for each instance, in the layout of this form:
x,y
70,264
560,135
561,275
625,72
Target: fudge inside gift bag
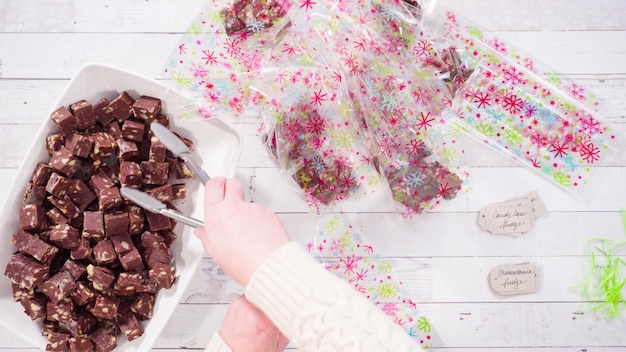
x,y
340,246
525,109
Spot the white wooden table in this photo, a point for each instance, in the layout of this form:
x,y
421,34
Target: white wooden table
x,y
442,256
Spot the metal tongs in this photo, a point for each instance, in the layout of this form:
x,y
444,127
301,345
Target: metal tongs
x,y
153,205
173,143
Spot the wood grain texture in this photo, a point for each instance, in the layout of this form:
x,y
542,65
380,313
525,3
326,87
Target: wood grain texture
x,y
442,257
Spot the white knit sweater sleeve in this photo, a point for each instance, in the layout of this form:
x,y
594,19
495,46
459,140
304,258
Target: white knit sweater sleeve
x,y
317,311
217,344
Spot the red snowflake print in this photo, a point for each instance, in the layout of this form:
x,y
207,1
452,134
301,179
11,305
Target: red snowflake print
x,y
559,149
198,71
424,121
360,276
415,147
390,309
348,181
513,76
423,48
289,50
482,99
590,153
421,96
590,125
209,57
512,103
307,4
577,91
232,47
360,45
315,125
181,49
499,45
445,191
318,97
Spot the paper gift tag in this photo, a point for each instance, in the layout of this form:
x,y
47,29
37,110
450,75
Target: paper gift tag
x,y
514,279
539,209
513,217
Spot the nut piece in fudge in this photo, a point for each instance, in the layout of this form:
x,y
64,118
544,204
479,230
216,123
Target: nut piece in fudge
x,y
136,218
55,217
85,116
64,236
127,150
65,121
163,274
102,116
22,294
155,173
79,145
32,218
61,311
147,108
54,142
57,342
116,224
82,293
157,151
100,277
34,246
131,260
100,181
179,191
35,308
66,206
80,344
114,130
133,130
122,243
41,174
26,272
103,340
110,199
58,287
65,162
57,185
128,283
103,145
105,307
143,306
120,106
130,174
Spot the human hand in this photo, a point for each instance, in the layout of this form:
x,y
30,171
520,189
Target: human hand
x,y
237,234
247,329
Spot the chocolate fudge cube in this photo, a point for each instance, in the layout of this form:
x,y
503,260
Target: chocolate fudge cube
x,y
128,283
163,274
105,307
61,311
121,106
82,294
54,142
110,199
66,206
93,166
147,286
146,107
154,173
130,326
22,294
103,145
179,191
100,181
80,344
116,224
100,277
122,243
79,145
79,324
64,236
182,170
32,217
58,286
34,246
136,219
103,340
133,130
114,130
80,193
127,150
131,260
130,174
151,239
93,224
65,121
154,255
168,237
34,194
158,222
103,252
55,217
163,120
82,251
102,116
76,269
57,342
57,185
163,193
41,174
143,306
35,308
26,272
157,151
85,116
65,162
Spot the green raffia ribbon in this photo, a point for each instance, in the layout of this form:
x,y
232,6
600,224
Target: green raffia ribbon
x,y
605,281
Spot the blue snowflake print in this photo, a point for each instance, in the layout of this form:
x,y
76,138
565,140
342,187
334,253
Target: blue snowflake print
x,y
415,179
570,163
495,114
390,102
318,164
546,116
255,25
223,86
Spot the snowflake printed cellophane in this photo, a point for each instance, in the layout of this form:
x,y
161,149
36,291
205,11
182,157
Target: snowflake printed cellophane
x,y
339,245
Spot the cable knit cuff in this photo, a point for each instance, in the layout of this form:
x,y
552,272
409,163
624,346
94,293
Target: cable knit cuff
x,y
217,344
284,283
